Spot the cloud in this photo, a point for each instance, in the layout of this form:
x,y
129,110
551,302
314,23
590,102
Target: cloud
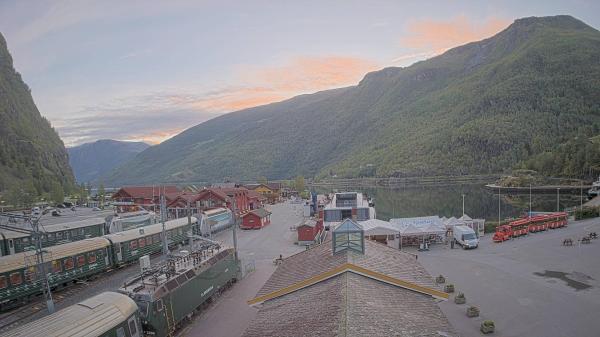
x,y
156,116
300,75
151,118
439,36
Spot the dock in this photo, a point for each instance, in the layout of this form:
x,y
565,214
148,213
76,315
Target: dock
x,y
547,189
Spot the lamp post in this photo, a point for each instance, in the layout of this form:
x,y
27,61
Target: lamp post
x,y
529,200
463,196
499,206
558,199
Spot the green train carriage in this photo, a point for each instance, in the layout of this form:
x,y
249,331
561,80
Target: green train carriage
x,y
129,246
17,242
108,314
63,263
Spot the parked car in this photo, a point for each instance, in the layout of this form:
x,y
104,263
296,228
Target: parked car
x,y
465,236
55,212
95,209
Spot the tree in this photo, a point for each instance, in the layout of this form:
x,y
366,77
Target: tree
x,y
83,195
57,194
101,194
299,183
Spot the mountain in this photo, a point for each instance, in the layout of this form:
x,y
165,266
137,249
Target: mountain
x,y
90,160
482,107
33,159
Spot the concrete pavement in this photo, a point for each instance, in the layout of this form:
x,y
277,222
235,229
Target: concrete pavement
x,y
509,282
229,315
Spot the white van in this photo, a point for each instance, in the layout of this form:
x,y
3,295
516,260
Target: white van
x,y
465,236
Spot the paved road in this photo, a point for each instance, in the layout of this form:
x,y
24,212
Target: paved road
x,y
230,315
506,281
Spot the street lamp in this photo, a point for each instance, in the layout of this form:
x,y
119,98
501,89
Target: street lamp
x,y
558,199
463,204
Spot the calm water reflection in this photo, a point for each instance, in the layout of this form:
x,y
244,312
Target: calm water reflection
x,y
447,201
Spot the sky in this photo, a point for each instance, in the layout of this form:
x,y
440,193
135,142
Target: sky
x,y
147,70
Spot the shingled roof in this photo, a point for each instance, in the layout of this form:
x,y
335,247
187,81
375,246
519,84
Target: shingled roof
x,y
383,292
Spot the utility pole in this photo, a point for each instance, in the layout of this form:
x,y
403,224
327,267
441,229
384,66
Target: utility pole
x,y
235,246
163,216
463,204
39,254
581,198
189,216
558,199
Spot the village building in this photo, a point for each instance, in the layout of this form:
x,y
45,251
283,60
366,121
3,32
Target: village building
x,y
131,198
255,199
349,286
271,191
309,231
256,219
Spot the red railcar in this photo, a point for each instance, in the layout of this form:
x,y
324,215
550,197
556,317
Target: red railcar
x,y
532,224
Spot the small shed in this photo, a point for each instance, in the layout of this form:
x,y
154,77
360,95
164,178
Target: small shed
x,y
256,219
308,231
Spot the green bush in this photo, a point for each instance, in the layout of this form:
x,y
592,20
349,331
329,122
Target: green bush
x,y
586,213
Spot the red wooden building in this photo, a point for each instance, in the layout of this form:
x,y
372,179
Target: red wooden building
x,y
128,198
255,200
308,230
256,219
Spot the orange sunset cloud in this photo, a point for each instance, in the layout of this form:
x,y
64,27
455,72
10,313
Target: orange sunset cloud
x,y
439,36
300,75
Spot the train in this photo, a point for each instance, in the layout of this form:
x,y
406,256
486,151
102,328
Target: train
x,y
65,263
106,314
13,242
156,303
530,224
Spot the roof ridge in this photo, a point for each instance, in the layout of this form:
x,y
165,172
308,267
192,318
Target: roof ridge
x,y
348,267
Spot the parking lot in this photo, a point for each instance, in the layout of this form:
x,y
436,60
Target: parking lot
x,y
529,286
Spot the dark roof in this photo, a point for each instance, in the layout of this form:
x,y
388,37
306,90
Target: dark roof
x,y
260,212
231,190
349,303
274,186
254,194
147,191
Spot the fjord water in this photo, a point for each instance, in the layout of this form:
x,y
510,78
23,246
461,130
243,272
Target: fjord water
x,y
480,202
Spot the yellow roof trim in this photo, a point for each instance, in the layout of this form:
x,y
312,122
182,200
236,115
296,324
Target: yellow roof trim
x,y
349,267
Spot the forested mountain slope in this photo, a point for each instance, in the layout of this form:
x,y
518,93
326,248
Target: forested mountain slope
x,y
479,108
91,160
33,158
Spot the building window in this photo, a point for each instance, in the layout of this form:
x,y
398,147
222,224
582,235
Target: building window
x,y
156,238
80,260
16,279
59,235
74,233
30,274
68,262
3,283
92,257
133,244
148,240
142,243
82,232
132,327
56,268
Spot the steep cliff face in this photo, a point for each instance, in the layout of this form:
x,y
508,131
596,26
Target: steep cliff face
x,y
32,155
483,107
